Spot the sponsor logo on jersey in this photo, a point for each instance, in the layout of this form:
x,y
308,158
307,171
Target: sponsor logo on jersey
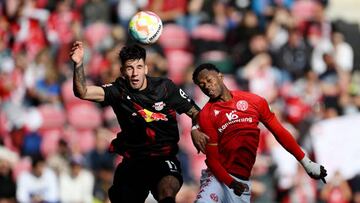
x,y
232,115
242,105
158,106
150,116
234,118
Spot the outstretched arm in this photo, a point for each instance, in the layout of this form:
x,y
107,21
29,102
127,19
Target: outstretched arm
x,y
92,93
286,140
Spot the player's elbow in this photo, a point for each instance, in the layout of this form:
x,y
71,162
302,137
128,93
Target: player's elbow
x,y
79,94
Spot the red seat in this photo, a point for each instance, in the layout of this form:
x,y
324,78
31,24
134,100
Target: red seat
x,y
49,143
84,116
208,32
68,96
178,63
80,140
174,37
53,117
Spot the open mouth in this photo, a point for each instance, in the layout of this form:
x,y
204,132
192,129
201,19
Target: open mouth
x,y
134,81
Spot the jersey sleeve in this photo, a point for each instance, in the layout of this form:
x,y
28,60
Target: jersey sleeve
x,y
110,94
211,151
178,99
282,135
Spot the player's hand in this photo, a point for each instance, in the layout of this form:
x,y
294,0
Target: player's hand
x,y
238,187
315,170
77,53
199,140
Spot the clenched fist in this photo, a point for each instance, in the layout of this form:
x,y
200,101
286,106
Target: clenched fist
x,y
77,53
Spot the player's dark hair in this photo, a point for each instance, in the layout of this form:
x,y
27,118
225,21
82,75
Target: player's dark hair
x,y
132,52
204,66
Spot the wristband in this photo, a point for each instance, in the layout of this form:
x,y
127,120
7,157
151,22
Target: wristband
x,y
195,127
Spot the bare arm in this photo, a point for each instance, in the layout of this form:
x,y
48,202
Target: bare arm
x,y
81,90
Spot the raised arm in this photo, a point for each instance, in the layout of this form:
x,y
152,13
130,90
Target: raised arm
x,y
81,90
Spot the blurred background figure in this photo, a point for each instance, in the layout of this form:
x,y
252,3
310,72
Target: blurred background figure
x,y
77,184
8,159
40,184
337,190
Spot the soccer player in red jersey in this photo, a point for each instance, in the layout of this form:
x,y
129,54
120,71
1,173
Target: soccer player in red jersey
x,y
230,119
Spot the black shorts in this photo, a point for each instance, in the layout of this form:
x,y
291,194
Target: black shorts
x,y
134,179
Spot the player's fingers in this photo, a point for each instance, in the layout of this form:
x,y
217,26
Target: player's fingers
x,y
76,43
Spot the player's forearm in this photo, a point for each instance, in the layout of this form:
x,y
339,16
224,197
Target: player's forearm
x,y
79,81
212,161
286,140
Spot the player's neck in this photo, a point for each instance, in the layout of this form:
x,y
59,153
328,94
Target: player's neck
x,y
225,96
144,86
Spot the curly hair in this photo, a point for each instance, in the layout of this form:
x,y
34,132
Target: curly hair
x,y
207,66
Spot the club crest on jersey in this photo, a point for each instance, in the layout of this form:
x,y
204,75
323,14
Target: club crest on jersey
x,y
158,106
242,105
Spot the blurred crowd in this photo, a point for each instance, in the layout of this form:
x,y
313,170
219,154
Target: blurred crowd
x,y
53,146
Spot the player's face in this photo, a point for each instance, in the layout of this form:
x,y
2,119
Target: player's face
x,y
135,72
211,83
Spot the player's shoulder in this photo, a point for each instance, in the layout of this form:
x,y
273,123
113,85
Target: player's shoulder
x,y
118,82
248,96
160,81
205,110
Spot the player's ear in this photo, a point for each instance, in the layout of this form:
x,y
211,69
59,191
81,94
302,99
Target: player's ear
x,y
146,69
221,76
122,70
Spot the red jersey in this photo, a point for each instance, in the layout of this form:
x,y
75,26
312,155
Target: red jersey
x,y
233,126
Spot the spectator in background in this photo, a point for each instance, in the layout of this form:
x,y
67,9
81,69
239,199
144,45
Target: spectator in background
x,y
59,161
7,183
46,86
343,52
100,156
96,11
62,28
263,79
329,83
294,56
38,185
77,184
337,190
168,10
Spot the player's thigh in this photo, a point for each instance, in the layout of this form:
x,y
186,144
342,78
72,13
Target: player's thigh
x,y
167,178
231,197
129,184
210,189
